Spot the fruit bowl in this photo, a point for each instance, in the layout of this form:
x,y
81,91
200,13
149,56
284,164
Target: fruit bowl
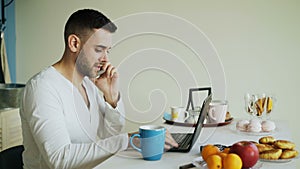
x,y
240,154
200,163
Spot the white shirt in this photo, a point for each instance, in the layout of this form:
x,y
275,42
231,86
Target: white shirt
x,y
60,131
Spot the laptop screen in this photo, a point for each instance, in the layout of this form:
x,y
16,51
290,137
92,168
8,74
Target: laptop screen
x,y
204,110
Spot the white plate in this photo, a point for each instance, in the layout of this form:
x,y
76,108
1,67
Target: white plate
x,y
167,118
276,161
279,160
261,133
199,163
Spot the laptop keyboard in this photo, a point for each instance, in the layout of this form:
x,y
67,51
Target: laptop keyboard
x,y
182,139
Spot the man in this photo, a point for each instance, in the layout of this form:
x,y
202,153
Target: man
x,y
66,122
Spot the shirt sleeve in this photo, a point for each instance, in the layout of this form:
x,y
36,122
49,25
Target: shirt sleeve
x,y
44,117
112,121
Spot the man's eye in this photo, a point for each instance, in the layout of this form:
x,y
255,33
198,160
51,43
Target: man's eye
x,y
98,50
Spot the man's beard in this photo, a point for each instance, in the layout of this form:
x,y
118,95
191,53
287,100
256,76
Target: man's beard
x,y
83,66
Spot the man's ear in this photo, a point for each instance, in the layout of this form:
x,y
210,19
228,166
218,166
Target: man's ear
x,y
74,43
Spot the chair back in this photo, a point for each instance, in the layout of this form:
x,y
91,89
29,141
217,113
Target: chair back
x,y
190,103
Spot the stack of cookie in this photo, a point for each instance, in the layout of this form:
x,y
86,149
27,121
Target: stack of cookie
x,y
272,149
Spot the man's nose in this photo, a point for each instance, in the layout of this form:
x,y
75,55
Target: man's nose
x,y
104,57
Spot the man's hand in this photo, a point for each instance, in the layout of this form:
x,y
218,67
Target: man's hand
x,y
108,83
169,141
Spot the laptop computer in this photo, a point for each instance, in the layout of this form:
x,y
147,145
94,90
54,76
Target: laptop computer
x,y
187,140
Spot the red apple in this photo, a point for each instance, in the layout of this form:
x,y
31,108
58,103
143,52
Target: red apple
x,y
247,151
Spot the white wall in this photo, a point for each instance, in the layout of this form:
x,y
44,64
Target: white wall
x,y
257,43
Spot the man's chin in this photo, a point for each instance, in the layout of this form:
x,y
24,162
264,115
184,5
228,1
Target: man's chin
x,y
92,76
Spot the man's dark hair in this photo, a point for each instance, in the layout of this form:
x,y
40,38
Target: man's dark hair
x,y
82,23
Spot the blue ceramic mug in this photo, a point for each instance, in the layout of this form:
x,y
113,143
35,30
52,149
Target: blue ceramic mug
x,y
152,141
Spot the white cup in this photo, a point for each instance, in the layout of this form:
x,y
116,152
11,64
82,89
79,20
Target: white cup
x,y
217,111
179,114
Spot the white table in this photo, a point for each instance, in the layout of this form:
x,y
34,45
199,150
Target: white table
x,y
226,135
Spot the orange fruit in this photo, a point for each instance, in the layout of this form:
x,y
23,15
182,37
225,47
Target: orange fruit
x,y
214,162
232,161
226,150
209,150
223,156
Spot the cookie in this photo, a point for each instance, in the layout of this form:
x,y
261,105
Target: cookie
x,y
267,140
271,154
284,144
264,147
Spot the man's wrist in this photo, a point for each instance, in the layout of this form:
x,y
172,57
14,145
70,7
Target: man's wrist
x,y
112,100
